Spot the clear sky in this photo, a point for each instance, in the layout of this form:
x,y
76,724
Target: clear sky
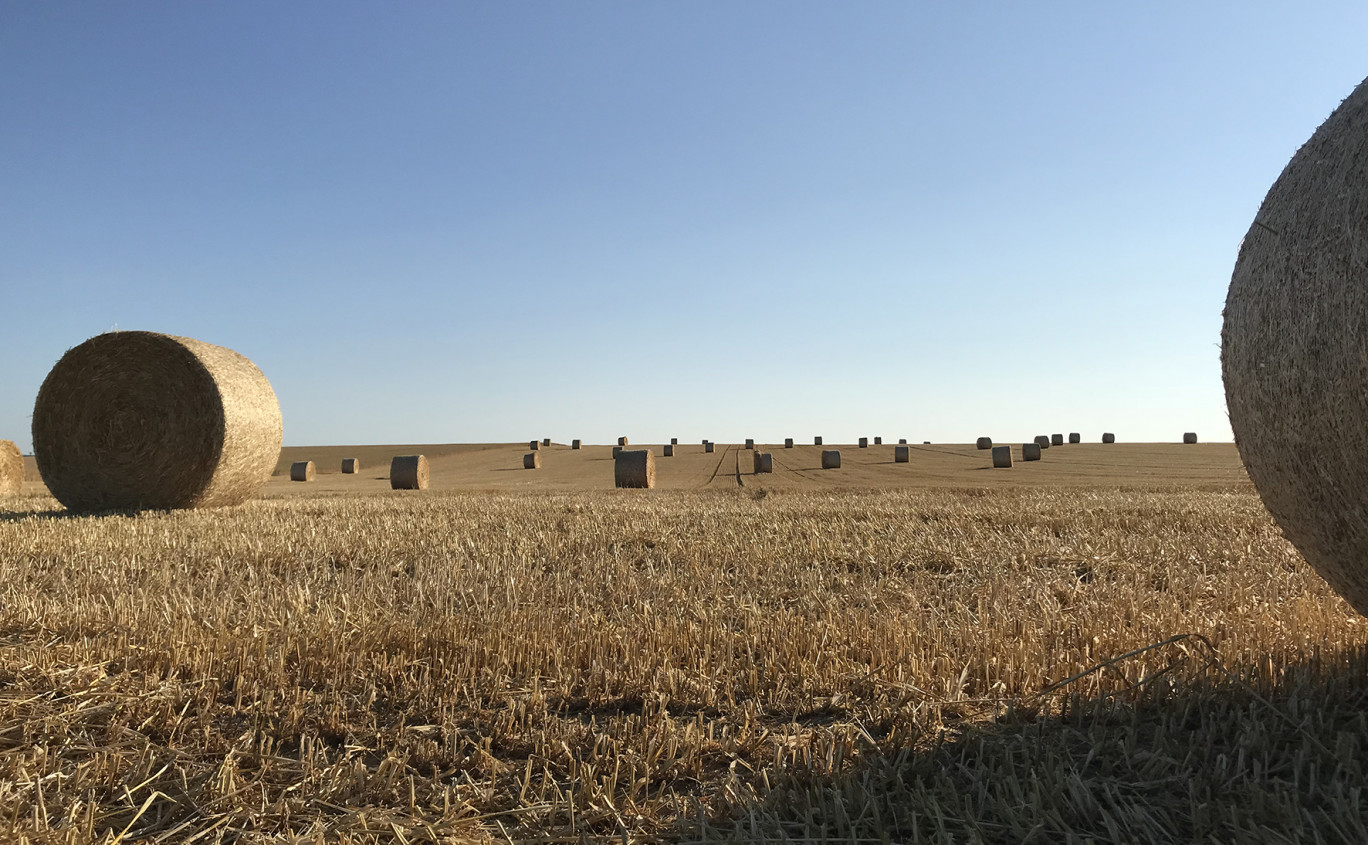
x,y
463,222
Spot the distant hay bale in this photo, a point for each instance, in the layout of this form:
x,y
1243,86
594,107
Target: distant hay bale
x,y
635,468
788,442
622,441
763,463
302,471
901,454
707,446
1002,456
532,460
984,443
926,442
546,441
1031,451
864,442
534,445
11,468
816,441
1190,437
878,441
574,444
409,472
831,459
1109,438
350,466
902,441
674,441
669,450
1075,437
617,450
1056,440
1043,441
134,420
750,443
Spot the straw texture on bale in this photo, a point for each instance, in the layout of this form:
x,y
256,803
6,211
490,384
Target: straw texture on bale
x,y
669,450
984,443
532,460
1056,440
816,441
763,462
831,459
1031,451
1190,437
1002,457
1108,437
350,466
1075,437
707,446
750,443
133,420
534,445
409,472
788,442
901,454
302,471
11,468
622,441
574,444
864,442
634,468
1292,349
1042,441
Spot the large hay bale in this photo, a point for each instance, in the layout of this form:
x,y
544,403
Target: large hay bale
x,y
574,444
1043,441
532,460
1108,437
302,471
816,441
864,442
831,459
1056,440
1190,437
788,442
1292,350
11,468
1031,451
1002,457
534,445
1075,437
901,454
635,468
707,446
984,443
350,466
132,420
669,450
763,462
409,472
750,443
622,441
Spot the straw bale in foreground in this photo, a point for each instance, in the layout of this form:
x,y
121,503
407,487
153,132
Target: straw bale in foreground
x,y
634,468
1002,456
901,454
984,443
134,420
532,460
11,468
302,471
831,459
350,466
409,472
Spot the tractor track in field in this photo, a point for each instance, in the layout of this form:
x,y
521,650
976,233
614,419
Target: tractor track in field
x,y
718,468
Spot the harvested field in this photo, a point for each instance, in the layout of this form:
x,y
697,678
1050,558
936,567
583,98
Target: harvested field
x,y
1012,664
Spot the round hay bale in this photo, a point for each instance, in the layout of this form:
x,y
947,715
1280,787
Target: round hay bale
x,y
622,441
1292,350
669,450
878,441
1190,437
1043,441
816,441
11,468
302,471
788,442
750,443
984,443
902,441
674,441
1056,440
831,459
350,466
532,460
1075,437
707,446
926,442
1002,457
134,420
864,442
901,454
574,444
546,441
1031,451
617,450
534,445
409,472
635,468
764,462
1108,437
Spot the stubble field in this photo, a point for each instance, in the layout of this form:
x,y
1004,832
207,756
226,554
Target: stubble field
x,y
1133,657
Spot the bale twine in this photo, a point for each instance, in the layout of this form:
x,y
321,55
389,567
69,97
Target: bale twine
x,y
816,441
669,450
1292,350
1031,451
302,471
878,441
546,441
763,462
864,442
635,468
1108,437
350,466
788,442
831,459
534,445
1075,437
132,420
574,444
901,454
1190,437
1002,456
750,443
617,450
1056,440
622,441
707,446
11,468
409,472
984,443
1043,441
532,460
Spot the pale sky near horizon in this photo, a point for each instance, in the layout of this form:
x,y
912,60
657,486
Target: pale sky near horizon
x,y
474,222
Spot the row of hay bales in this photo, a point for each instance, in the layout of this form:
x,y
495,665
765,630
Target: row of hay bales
x,y
407,472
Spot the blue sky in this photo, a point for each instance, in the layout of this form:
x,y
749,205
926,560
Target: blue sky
x,y
451,222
